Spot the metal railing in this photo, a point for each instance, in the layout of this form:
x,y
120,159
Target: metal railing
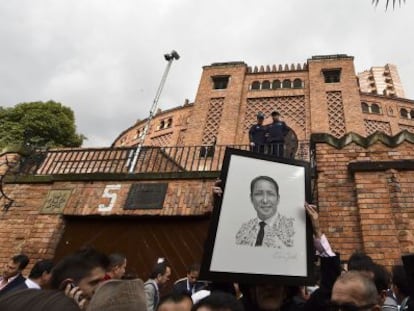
x,y
151,159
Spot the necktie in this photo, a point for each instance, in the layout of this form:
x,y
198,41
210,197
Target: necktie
x,y
260,235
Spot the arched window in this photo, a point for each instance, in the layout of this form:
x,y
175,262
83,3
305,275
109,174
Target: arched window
x,y
297,84
256,85
169,122
276,84
162,124
412,113
375,108
404,113
287,84
265,85
364,107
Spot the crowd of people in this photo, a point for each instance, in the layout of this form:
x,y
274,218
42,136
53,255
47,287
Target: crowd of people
x,y
90,280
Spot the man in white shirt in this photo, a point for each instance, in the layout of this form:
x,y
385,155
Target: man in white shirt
x,y
269,228
40,274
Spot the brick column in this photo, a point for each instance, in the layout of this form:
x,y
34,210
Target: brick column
x,y
378,227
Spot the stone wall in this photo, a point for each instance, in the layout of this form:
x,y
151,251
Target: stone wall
x,y
365,194
35,222
24,229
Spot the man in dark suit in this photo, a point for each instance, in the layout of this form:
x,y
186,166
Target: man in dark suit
x,y
276,134
40,274
12,278
190,284
257,134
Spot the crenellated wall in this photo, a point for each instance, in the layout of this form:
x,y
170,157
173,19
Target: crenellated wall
x,y
277,68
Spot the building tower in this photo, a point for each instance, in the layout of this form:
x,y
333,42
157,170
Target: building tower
x,y
381,81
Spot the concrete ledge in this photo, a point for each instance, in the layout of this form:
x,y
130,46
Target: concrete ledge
x,y
375,166
30,179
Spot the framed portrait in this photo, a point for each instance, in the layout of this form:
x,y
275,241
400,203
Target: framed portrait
x,y
259,230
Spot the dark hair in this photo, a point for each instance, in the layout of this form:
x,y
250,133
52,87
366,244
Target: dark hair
x,y
77,266
159,268
40,267
219,301
22,260
37,300
193,267
360,262
175,298
267,178
400,279
275,113
116,259
382,277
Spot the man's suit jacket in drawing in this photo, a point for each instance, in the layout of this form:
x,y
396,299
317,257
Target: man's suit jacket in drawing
x,y
277,234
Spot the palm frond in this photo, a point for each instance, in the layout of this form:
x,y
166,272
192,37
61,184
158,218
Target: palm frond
x,y
375,2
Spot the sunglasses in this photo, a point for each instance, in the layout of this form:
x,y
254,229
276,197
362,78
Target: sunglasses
x,y
332,306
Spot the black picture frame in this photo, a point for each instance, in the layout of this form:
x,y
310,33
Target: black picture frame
x,y
227,261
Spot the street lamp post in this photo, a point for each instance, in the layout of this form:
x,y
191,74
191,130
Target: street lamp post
x,y
169,58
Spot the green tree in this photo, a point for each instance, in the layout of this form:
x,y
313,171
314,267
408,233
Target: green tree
x,y
40,124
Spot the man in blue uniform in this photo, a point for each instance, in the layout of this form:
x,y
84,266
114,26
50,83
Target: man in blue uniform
x,y
275,135
257,135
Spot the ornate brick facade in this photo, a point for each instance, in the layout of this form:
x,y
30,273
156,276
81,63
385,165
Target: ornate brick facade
x,y
363,206
307,96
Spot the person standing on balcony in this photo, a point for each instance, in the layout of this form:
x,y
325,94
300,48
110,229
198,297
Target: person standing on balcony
x,y
275,135
257,135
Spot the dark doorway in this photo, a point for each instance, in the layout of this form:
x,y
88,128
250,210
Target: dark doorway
x,y
179,239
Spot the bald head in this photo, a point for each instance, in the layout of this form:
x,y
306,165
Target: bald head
x,y
355,288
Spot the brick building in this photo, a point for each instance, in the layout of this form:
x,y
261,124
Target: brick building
x,y
359,139
324,95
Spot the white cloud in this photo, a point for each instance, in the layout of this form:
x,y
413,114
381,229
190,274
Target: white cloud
x,y
104,59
